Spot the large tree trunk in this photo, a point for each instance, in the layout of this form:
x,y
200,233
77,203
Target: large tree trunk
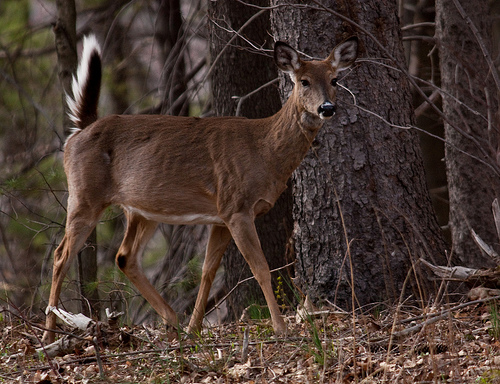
x,y
362,211
239,71
470,103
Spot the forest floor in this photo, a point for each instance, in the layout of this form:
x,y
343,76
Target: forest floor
x,y
457,344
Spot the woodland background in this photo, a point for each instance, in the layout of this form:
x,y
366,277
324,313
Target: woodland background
x,y
214,57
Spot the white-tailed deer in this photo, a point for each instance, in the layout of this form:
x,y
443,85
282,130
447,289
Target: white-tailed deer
x,y
222,171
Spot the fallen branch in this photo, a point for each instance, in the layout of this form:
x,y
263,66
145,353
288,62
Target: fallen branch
x,y
431,318
451,273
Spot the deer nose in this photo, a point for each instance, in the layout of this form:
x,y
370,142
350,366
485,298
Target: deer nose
x,y
325,110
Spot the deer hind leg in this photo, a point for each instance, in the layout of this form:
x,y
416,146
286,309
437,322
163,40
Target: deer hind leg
x,y
217,244
79,225
139,232
243,231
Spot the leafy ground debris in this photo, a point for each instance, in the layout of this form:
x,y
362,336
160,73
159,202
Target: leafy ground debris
x,y
458,344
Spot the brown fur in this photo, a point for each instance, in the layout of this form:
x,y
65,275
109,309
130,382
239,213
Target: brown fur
x,y
223,171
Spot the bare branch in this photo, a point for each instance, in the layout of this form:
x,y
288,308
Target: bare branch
x,y
479,39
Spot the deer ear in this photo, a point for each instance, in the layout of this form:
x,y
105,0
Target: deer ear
x,y
344,54
287,59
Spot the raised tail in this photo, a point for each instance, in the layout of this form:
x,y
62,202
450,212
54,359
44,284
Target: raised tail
x,y
86,86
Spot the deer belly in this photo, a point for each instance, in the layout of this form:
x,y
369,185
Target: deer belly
x,y
174,218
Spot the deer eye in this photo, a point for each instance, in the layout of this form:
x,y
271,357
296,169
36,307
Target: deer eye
x,y
334,82
304,83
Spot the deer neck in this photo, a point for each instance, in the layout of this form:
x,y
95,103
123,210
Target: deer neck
x,y
292,131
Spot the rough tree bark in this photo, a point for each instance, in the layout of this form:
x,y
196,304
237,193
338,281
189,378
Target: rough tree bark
x,y
470,102
372,171
240,69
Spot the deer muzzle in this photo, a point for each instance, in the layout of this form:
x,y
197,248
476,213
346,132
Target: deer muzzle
x,y
326,110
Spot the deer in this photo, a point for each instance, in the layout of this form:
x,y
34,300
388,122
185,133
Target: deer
x,y
218,171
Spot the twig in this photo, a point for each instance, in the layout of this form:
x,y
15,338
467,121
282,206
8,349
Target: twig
x,y
249,21
241,99
414,127
400,66
419,25
244,349
480,41
68,334
241,282
431,318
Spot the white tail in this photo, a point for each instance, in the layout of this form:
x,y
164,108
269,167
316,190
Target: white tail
x,y
222,171
86,86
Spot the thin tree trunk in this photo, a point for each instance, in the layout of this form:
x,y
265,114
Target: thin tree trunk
x,y
362,211
87,277
67,58
65,38
170,35
470,102
423,62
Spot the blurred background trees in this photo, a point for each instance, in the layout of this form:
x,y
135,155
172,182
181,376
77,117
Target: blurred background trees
x,y
214,57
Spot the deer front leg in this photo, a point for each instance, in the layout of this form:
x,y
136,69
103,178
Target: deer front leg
x,y
139,232
243,230
217,244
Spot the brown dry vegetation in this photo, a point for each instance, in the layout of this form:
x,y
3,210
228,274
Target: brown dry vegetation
x,y
457,344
